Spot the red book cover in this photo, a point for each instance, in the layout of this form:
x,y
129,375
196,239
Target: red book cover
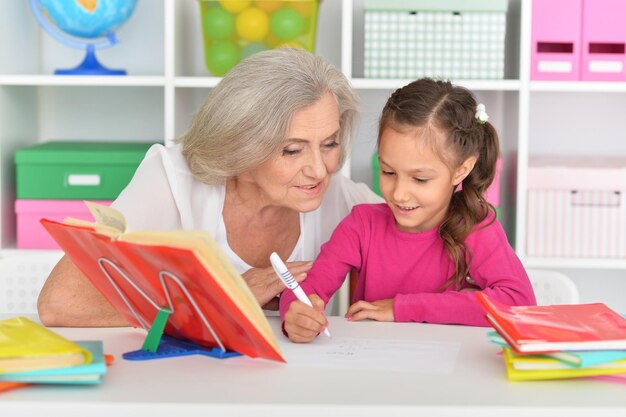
x,y
195,290
553,328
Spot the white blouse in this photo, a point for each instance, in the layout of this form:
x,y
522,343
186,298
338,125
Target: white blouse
x,y
164,195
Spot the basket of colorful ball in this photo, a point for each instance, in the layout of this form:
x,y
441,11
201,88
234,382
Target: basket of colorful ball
x,y
235,29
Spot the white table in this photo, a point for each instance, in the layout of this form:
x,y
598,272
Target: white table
x,y
200,386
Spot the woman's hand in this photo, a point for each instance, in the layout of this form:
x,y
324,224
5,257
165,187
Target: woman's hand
x,y
265,284
381,310
304,323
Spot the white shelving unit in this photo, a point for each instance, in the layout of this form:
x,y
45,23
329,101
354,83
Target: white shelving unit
x,y
161,47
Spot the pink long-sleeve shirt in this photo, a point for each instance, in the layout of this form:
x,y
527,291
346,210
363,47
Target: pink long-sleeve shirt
x,y
411,268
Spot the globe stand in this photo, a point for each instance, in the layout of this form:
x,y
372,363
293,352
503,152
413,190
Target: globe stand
x,y
90,66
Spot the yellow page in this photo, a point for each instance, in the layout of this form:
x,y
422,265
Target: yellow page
x,y
109,231
107,216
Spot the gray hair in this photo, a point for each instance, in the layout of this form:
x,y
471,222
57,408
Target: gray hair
x,y
245,118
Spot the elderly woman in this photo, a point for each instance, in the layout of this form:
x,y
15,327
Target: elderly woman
x,y
255,169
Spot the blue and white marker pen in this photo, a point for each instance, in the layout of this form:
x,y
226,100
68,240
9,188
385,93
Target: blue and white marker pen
x,y
290,282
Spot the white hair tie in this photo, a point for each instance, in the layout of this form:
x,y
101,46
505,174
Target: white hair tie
x,y
481,114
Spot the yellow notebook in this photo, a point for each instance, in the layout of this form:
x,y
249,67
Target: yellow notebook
x,y
26,345
559,371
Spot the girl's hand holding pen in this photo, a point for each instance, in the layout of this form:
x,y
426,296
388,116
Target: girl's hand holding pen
x,y
304,323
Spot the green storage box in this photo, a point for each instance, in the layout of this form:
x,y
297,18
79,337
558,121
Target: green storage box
x,y
61,170
376,174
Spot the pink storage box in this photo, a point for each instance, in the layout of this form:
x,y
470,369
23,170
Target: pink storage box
x,y
604,40
30,232
556,40
492,195
576,207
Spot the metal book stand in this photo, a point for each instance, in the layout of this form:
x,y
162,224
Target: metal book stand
x,y
157,345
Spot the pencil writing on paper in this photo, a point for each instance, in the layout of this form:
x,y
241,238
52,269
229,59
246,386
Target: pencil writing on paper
x,y
290,282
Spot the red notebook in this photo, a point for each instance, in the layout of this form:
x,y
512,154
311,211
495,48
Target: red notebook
x,y
536,329
6,386
211,303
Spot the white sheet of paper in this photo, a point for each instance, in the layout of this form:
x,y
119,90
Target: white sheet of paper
x,y
424,357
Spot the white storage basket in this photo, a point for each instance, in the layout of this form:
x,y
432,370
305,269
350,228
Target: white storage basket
x,y
576,207
22,276
454,39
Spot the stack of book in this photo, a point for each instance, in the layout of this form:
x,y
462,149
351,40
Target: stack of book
x,y
31,353
558,341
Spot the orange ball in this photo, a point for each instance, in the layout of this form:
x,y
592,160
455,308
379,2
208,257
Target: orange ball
x,y
305,8
268,5
272,41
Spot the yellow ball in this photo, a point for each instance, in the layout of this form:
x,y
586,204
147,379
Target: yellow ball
x,y
235,6
252,24
268,5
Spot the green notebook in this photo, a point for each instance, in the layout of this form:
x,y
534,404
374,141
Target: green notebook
x,y
574,358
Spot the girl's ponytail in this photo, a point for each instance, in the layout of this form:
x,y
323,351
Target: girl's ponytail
x,y
468,206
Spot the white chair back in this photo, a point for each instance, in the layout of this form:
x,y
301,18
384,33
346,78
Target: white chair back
x,y
552,287
22,275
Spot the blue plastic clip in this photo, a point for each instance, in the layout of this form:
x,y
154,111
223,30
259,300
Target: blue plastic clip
x,y
157,345
171,347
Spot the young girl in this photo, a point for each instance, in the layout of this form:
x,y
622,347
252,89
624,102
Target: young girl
x,y
420,256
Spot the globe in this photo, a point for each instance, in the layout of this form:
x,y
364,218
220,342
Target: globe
x,y
84,24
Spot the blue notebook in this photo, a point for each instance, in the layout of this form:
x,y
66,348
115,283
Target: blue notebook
x,y
575,359
82,374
